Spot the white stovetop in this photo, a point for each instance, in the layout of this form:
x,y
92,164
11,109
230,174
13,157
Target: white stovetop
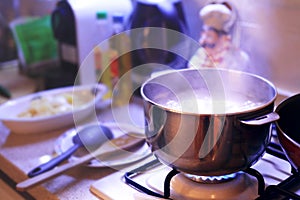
x,y
272,168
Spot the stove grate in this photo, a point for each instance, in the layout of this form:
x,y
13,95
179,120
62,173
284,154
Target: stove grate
x,y
282,191
128,178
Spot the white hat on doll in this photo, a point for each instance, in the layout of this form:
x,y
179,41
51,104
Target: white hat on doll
x,y
218,16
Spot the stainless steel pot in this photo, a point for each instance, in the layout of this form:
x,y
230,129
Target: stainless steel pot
x,y
208,122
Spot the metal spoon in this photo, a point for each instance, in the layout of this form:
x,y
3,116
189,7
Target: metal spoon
x,y
90,137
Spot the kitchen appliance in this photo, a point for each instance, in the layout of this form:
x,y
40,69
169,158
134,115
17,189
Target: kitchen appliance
x,y
269,179
75,26
151,43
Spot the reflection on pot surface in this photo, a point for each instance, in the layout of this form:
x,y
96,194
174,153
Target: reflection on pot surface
x,y
209,140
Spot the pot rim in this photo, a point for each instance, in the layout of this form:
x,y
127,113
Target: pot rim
x,y
253,109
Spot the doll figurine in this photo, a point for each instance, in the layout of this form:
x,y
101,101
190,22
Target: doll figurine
x,y
216,46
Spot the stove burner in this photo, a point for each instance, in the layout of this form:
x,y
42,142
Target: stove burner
x,y
212,179
239,187
240,184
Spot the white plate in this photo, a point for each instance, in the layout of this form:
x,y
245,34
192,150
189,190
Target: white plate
x,y
10,110
64,142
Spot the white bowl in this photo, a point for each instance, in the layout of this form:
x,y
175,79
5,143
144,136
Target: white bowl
x,y
10,110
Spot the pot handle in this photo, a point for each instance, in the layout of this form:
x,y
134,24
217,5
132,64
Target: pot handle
x,y
265,119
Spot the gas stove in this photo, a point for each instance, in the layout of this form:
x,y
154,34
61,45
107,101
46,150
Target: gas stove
x,y
272,177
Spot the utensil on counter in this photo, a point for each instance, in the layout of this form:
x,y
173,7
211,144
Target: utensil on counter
x,y
288,129
90,137
208,122
64,142
126,142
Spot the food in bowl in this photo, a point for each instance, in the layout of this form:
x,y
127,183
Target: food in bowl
x,y
52,105
18,115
